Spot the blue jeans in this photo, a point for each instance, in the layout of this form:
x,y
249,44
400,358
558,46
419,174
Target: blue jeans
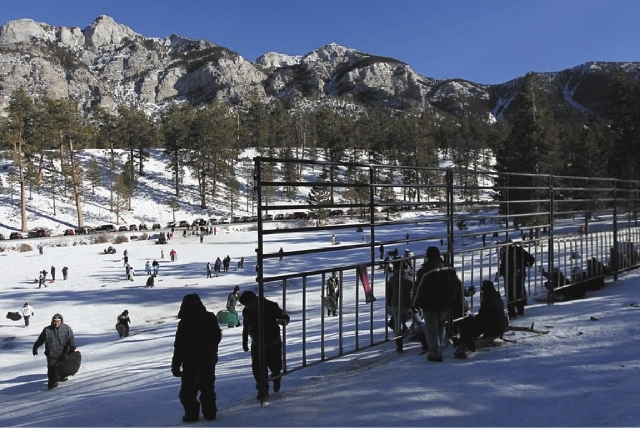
x,y
435,329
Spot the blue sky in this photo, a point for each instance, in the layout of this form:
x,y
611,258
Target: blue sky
x,y
485,41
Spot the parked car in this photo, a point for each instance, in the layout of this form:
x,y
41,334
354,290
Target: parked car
x,y
31,234
213,220
199,222
42,232
171,224
16,235
69,232
85,230
2,238
106,228
156,226
267,217
183,223
225,220
279,217
133,227
143,226
123,228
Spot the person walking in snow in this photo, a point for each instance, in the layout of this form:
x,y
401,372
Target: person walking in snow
x,y
147,268
333,293
226,262
232,302
195,354
58,341
272,317
216,266
27,312
53,274
208,269
42,279
173,255
156,267
65,271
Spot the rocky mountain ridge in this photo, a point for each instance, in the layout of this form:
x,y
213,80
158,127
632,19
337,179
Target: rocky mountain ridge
x,y
108,64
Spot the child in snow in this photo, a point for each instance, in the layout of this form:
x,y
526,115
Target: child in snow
x,y
27,312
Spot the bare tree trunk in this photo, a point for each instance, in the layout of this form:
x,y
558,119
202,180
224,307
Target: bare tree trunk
x,y
111,172
23,201
76,185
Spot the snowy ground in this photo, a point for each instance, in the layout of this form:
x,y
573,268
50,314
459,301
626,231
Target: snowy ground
x,y
583,373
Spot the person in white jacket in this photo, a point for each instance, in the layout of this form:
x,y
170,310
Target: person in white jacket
x,y
27,312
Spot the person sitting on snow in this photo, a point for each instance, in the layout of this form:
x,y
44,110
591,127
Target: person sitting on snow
x,y
490,320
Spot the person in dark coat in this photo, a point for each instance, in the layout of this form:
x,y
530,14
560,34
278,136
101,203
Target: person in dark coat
x,y
123,324
434,293
272,318
216,266
208,269
58,342
53,274
333,293
232,303
514,260
398,295
65,272
195,354
226,262
490,320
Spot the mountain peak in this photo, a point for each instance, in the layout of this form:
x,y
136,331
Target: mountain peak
x,y
104,30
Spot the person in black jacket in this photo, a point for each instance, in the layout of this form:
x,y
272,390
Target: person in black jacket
x,y
272,318
434,294
514,260
490,320
58,342
195,354
122,325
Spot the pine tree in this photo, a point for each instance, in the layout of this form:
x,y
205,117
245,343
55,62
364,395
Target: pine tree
x,y
94,174
320,197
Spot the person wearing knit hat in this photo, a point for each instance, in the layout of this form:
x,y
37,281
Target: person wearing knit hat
x,y
27,312
58,341
272,317
434,292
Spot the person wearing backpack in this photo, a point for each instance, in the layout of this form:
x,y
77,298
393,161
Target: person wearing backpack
x,y
434,294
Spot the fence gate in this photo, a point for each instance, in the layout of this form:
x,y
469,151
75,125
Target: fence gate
x,y
364,215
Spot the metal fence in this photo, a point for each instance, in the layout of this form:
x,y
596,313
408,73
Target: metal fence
x,y
576,228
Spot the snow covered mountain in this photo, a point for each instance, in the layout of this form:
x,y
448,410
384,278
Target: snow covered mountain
x,y
108,64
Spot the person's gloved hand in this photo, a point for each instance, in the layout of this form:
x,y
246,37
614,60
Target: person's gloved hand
x,y
176,371
72,349
245,347
284,320
35,351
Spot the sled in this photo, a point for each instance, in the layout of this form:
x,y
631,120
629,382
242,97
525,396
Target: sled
x,y
364,279
14,316
329,304
529,329
69,365
227,318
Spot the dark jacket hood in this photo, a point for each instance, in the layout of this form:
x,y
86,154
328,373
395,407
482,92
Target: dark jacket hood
x,y
488,289
55,317
191,305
